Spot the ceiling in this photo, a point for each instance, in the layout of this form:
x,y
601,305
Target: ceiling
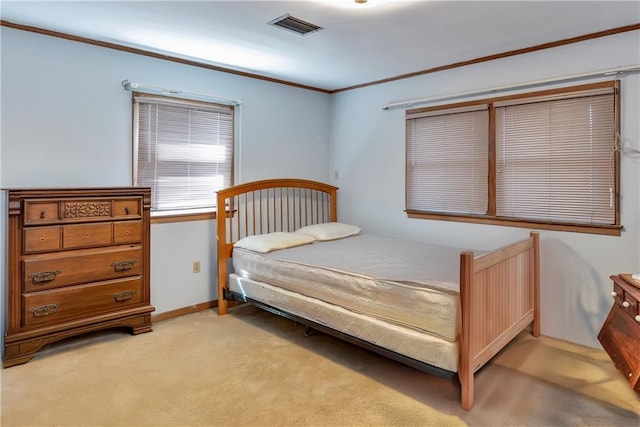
x,y
359,43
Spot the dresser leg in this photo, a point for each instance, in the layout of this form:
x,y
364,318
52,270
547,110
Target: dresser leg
x,y
20,353
140,325
141,329
20,350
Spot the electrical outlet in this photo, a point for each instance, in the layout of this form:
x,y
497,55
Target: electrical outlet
x,y
196,266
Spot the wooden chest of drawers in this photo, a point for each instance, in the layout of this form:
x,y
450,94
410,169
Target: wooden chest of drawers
x,y
620,333
78,261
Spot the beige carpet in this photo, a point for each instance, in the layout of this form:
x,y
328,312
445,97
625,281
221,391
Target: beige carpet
x,y
251,368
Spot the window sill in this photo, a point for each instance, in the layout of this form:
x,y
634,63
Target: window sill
x,y
608,230
181,216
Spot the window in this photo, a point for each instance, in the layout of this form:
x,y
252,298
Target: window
x,y
183,150
449,177
547,159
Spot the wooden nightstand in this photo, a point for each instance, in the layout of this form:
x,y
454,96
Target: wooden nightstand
x,y
620,333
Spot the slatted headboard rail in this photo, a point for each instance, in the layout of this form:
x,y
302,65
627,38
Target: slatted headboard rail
x,y
268,206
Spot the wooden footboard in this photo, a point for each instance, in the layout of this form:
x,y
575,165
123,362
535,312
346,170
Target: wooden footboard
x,y
499,290
499,293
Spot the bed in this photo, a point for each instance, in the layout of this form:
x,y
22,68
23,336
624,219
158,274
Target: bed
x,y
434,308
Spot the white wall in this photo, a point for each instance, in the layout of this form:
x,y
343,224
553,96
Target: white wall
x,y
66,122
368,150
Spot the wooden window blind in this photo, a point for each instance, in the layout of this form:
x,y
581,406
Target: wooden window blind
x,y
183,150
447,160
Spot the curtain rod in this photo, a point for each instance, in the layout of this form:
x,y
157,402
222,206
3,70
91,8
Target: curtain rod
x,y
601,73
133,86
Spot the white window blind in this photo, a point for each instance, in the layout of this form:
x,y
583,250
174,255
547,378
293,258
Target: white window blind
x,y
555,160
447,161
183,151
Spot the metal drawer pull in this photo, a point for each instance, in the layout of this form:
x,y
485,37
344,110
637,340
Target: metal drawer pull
x,y
44,310
123,265
42,277
126,210
123,296
43,214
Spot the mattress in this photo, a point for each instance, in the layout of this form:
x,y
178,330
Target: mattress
x,y
408,284
406,341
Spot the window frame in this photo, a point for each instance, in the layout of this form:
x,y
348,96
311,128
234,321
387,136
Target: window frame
x,y
491,217
185,214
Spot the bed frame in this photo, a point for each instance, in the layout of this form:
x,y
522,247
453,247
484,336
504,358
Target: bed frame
x,y
499,290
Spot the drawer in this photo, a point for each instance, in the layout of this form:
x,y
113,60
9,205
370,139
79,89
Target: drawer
x,y
625,299
86,235
617,294
86,209
127,207
41,212
42,239
49,271
127,232
82,301
630,305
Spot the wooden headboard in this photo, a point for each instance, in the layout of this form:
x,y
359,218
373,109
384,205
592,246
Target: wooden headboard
x,y
268,206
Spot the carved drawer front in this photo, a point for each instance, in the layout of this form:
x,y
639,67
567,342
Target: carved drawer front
x,y
85,235
127,232
41,212
57,305
42,239
41,272
86,209
127,207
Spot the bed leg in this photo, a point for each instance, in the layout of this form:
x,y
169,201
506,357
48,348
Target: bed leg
x,y
466,390
222,282
535,263
222,306
465,365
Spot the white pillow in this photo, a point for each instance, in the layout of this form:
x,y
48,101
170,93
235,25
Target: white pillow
x,y
273,241
329,230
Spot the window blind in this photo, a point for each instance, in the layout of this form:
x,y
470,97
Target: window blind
x,y
555,160
184,151
447,161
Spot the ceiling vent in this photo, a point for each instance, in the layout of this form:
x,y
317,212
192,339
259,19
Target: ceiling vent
x,y
294,24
